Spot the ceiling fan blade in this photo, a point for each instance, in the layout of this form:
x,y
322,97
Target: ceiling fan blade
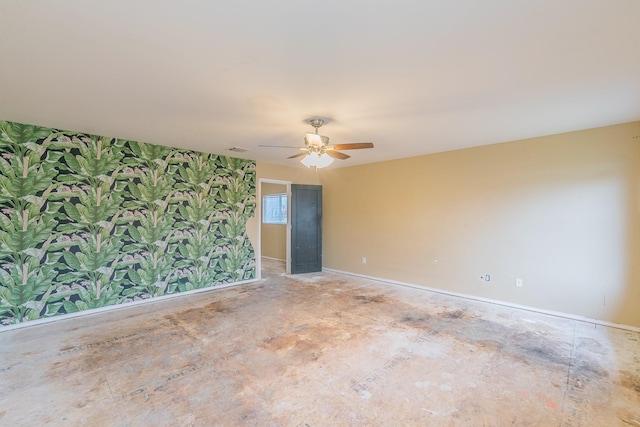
x,y
353,146
277,146
297,155
337,155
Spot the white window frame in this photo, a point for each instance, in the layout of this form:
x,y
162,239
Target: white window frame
x,y
282,199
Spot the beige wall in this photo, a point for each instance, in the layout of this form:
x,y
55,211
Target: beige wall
x,y
561,212
294,174
274,236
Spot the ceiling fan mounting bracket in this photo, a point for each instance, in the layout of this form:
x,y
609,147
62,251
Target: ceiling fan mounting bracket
x,y
316,123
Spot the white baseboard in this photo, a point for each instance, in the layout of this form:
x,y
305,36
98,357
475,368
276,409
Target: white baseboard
x,y
118,306
492,301
377,279
274,259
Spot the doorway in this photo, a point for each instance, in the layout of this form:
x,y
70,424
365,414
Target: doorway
x,y
274,223
290,227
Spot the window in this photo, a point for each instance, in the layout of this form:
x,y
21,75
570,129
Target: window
x,y
274,209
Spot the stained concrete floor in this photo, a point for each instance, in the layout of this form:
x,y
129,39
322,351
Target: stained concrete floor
x,y
316,350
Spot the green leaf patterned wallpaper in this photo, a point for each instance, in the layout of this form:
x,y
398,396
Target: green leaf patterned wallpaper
x,y
88,221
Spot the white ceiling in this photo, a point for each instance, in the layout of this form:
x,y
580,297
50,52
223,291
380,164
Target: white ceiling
x,y
414,77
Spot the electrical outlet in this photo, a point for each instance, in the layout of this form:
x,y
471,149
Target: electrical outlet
x,y
364,259
519,282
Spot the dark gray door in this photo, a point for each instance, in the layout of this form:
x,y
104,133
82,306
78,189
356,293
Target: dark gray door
x,y
306,228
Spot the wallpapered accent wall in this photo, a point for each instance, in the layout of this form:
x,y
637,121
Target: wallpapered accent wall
x,y
88,221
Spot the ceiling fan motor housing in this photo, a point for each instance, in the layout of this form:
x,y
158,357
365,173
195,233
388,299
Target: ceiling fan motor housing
x,y
315,140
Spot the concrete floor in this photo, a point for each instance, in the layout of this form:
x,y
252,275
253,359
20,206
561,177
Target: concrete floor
x,y
316,350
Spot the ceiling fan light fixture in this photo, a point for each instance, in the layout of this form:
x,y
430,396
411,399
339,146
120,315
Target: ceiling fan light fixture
x,y
317,160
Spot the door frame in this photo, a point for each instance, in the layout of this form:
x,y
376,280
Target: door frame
x,y
287,184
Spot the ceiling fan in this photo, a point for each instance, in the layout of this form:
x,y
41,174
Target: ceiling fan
x,y
317,152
